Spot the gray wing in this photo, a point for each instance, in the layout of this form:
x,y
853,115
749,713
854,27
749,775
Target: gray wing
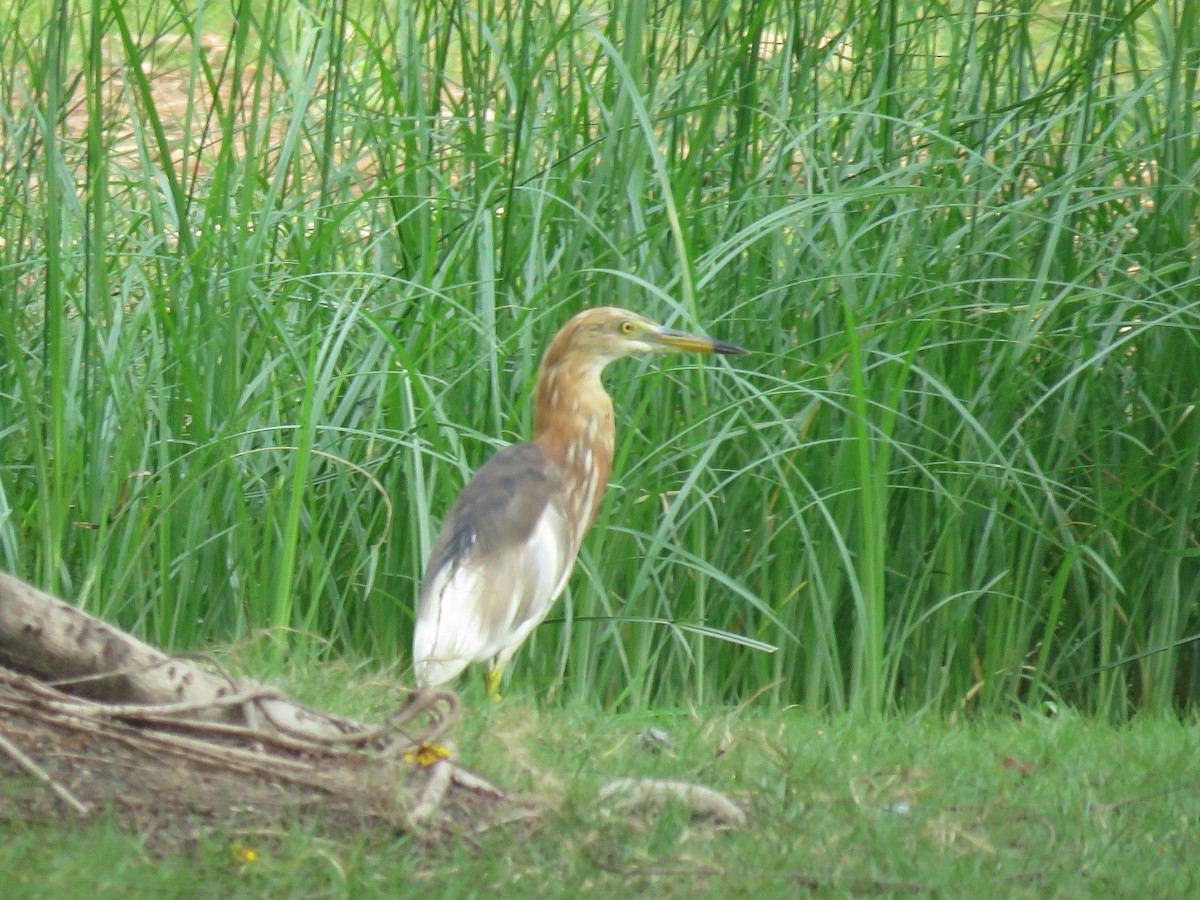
x,y
498,564
499,507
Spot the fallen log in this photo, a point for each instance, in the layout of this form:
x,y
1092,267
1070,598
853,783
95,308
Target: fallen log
x,y
42,636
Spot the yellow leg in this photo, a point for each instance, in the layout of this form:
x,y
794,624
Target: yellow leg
x,y
491,681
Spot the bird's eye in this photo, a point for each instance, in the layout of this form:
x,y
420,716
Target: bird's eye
x,y
626,328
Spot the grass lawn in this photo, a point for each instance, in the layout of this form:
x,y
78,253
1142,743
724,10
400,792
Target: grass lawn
x,y
1030,805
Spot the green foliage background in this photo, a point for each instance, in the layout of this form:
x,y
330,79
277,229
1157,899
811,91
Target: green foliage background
x,y
275,277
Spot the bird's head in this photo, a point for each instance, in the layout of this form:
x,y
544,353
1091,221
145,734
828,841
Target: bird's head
x,y
606,333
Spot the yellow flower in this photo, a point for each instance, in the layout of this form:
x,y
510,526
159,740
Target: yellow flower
x,y
426,754
243,854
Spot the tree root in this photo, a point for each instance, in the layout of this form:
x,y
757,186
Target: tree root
x,y
64,672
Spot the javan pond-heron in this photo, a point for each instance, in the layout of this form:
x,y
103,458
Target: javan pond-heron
x,y
510,541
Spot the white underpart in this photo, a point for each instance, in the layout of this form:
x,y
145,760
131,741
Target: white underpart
x,y
453,631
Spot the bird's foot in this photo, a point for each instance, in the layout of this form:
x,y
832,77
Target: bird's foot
x,y
491,681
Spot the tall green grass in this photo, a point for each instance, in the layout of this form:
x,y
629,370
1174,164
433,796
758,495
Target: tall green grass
x,y
276,277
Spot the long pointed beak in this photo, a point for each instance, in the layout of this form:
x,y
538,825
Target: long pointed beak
x,y
670,339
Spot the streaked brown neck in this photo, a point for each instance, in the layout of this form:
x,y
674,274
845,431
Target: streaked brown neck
x,y
573,423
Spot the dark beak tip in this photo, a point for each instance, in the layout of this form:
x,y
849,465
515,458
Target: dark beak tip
x,y
728,349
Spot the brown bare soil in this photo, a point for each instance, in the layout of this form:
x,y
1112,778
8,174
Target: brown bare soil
x,y
162,783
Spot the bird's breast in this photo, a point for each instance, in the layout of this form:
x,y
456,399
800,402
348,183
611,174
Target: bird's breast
x,y
583,455
586,466
574,426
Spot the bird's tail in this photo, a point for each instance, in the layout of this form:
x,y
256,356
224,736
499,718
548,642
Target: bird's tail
x,y
434,672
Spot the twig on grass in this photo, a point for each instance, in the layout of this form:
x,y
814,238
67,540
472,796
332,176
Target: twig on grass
x,y
705,803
